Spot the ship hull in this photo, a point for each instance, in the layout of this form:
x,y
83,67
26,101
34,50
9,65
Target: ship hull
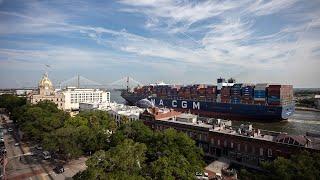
x,y
249,112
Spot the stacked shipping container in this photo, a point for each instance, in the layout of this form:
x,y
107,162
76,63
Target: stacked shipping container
x,y
238,93
225,94
247,92
260,93
280,94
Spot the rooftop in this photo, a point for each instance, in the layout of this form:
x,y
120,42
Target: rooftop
x,y
244,130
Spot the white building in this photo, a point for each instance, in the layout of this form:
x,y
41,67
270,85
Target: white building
x,y
23,92
73,96
115,110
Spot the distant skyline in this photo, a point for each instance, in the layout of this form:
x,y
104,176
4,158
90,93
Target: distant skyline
x,y
180,42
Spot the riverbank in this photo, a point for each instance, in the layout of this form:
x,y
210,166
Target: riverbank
x,y
307,109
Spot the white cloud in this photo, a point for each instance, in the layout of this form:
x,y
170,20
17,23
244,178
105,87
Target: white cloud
x,y
176,12
265,7
204,34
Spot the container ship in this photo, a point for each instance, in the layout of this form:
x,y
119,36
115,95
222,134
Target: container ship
x,y
227,99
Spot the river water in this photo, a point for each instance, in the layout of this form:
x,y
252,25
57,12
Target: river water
x,y
300,123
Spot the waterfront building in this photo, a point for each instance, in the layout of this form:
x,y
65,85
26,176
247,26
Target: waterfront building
x,y
46,91
74,96
242,145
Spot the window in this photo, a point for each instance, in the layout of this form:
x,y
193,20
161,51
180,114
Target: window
x,y
218,142
291,141
231,144
245,148
261,151
286,140
212,141
238,147
225,143
253,150
205,137
269,152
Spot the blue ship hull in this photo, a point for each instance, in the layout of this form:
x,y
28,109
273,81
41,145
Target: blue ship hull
x,y
252,112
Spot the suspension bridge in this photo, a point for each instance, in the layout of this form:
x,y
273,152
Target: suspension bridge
x,y
83,82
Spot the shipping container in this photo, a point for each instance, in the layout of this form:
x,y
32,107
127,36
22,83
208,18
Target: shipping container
x,y
260,102
279,94
247,90
225,100
225,91
247,101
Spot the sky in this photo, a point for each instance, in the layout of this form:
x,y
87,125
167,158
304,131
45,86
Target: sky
x,y
175,41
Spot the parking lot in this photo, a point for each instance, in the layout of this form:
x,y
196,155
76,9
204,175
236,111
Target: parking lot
x,y
24,160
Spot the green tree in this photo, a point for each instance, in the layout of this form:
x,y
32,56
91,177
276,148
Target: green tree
x,y
135,130
174,155
11,102
123,161
63,141
304,165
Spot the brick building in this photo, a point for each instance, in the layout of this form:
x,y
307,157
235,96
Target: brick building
x,y
243,145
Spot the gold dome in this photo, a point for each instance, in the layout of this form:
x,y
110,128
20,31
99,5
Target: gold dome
x,y
45,81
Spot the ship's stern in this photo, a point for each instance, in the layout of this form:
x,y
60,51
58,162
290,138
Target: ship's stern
x,y
287,111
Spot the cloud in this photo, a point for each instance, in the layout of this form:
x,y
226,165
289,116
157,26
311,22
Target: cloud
x,y
266,7
178,13
177,36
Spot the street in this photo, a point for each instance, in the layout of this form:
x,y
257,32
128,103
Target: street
x,y
24,161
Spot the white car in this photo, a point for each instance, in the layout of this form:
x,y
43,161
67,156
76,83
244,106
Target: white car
x,y
10,130
17,144
46,155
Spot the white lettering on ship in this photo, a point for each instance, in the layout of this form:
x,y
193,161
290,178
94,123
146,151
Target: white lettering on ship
x,y
196,105
153,102
161,102
174,103
184,104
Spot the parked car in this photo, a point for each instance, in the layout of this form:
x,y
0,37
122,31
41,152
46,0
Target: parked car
x,y
46,155
17,144
59,169
10,130
39,147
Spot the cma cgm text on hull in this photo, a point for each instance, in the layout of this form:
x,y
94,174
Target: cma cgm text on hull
x,y
231,100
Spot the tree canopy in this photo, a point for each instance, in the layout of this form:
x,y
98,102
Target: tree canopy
x,y
167,155
11,102
62,134
301,166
